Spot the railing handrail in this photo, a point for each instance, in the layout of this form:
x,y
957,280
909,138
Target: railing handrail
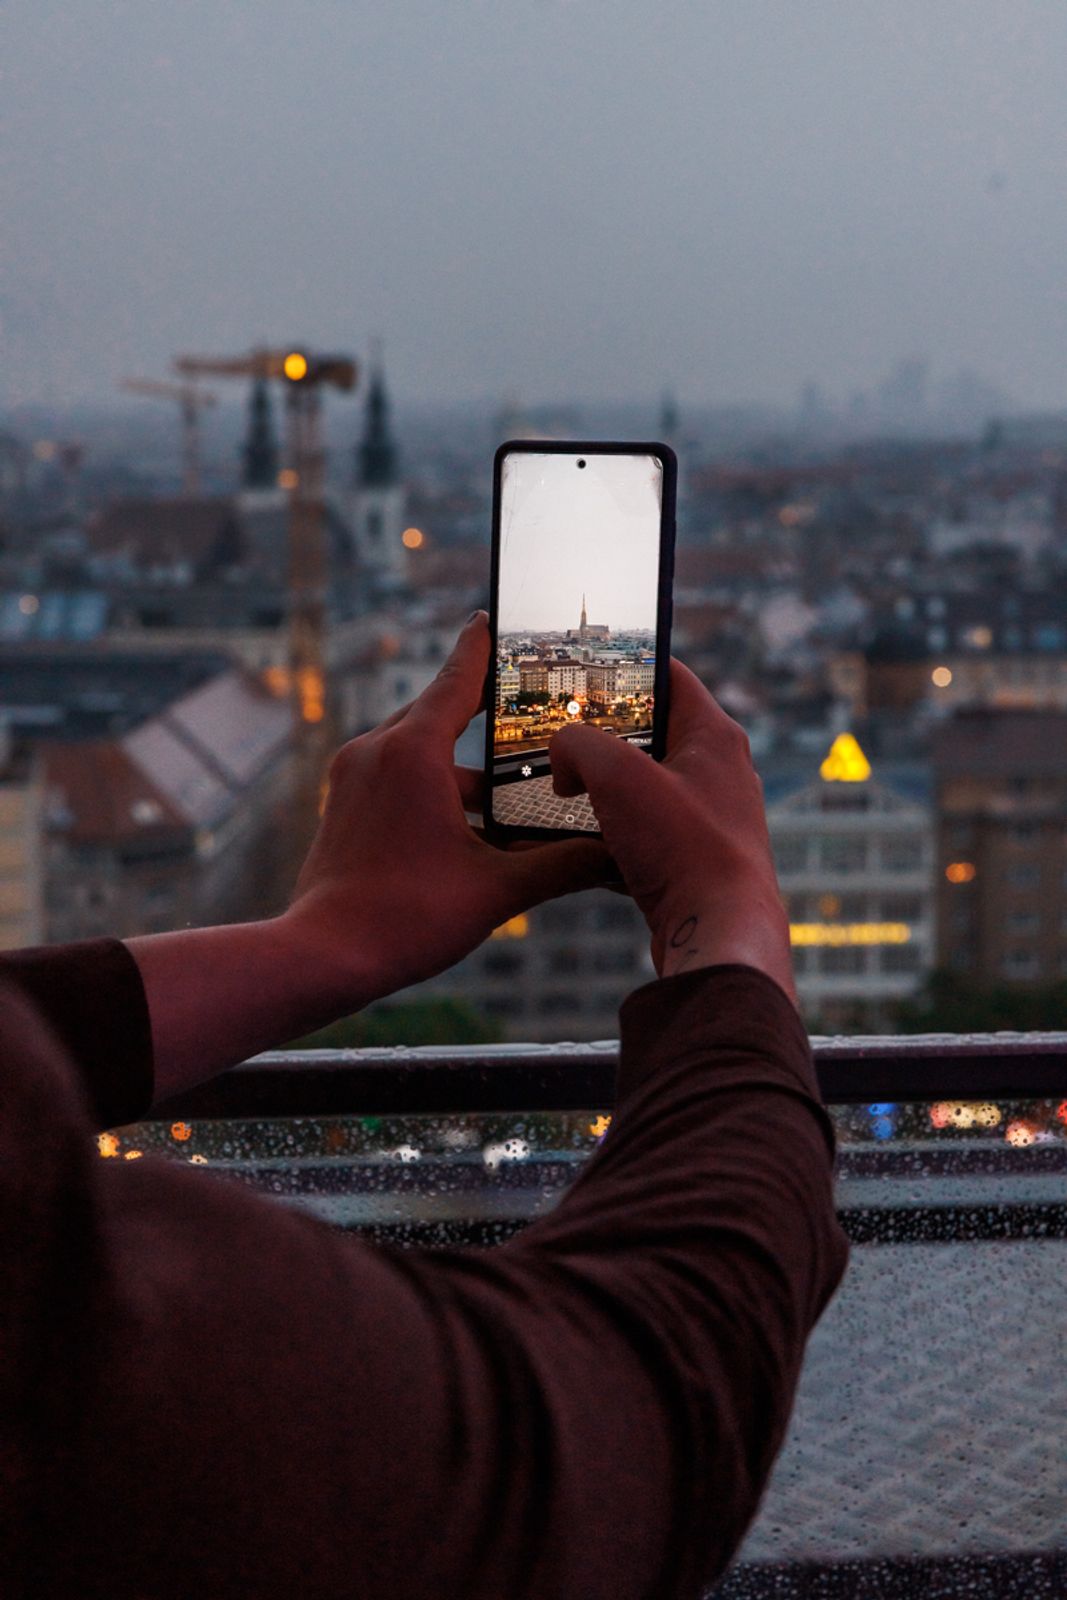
x,y
910,1068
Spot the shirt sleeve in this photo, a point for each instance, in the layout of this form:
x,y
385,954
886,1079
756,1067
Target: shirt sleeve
x,y
91,997
221,1395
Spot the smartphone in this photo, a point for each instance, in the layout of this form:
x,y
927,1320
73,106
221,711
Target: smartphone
x,y
580,617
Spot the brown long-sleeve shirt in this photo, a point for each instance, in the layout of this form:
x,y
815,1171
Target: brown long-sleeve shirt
x,y
205,1393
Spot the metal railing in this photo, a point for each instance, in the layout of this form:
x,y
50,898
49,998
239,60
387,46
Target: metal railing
x,y
571,1077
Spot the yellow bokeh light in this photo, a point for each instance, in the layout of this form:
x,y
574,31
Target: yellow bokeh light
x,y
288,479
295,366
846,762
107,1144
413,538
600,1127
514,928
312,691
941,677
133,1155
846,933
198,1161
960,871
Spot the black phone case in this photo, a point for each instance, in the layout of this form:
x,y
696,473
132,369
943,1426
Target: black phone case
x,y
503,833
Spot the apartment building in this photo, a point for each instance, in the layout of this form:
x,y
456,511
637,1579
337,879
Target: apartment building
x,y
855,852
1001,780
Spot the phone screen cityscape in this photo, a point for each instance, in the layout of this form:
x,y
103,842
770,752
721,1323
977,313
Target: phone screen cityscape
x,y
576,618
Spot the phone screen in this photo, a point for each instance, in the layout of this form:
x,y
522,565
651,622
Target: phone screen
x,y
578,601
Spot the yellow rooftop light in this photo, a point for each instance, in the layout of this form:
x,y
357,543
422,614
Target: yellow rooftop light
x,y
295,366
846,762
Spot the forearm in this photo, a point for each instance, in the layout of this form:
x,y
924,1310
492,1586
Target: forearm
x,y
218,995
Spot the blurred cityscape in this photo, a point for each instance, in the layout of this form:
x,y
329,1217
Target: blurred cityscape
x,y
204,590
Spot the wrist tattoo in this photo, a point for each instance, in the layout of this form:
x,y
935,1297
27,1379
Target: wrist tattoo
x,y
680,940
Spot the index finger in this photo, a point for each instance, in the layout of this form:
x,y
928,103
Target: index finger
x,y
446,705
696,718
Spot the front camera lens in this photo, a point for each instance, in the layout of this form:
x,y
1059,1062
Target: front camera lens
x,y
581,463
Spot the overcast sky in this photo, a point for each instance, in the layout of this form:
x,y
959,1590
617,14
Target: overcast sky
x,y
567,531
546,199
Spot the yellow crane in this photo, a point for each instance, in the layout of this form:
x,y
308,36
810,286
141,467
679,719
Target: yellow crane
x,y
304,374
192,400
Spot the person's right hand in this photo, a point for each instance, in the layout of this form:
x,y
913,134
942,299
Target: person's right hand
x,y
688,834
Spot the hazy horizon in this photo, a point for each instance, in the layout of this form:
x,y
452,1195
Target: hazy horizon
x,y
542,200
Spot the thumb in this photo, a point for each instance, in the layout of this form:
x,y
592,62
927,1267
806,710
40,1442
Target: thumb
x,y
587,760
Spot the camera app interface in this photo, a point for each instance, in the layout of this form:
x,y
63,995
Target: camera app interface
x,y
579,565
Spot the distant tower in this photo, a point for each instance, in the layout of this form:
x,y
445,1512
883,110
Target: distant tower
x,y
260,450
668,418
377,505
583,625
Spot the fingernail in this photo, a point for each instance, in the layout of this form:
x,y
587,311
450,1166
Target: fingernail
x,y
472,618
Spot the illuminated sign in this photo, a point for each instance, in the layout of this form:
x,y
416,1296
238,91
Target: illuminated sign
x,y
838,933
846,762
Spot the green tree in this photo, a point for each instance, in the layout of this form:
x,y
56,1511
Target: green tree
x,y
950,1003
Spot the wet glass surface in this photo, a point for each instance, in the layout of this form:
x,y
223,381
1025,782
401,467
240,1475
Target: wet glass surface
x,y
927,1450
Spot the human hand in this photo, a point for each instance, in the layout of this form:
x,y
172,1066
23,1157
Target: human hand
x,y
397,884
688,834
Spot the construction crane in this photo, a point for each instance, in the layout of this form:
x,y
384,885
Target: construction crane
x,y
192,400
304,375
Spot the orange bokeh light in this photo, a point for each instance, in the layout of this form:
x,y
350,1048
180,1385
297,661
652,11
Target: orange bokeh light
x,y
413,538
961,871
107,1144
180,1131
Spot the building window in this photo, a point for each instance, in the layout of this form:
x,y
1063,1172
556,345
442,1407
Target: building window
x,y
901,908
621,915
559,1005
902,855
498,1006
791,855
962,958
374,526
502,963
801,961
1023,832
901,958
1022,921
843,854
1020,964
1022,877
615,960
565,958
843,959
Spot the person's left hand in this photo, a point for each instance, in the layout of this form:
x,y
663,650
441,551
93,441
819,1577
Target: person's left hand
x,y
397,884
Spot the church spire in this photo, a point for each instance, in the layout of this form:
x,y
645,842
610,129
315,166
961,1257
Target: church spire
x,y
376,455
260,449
